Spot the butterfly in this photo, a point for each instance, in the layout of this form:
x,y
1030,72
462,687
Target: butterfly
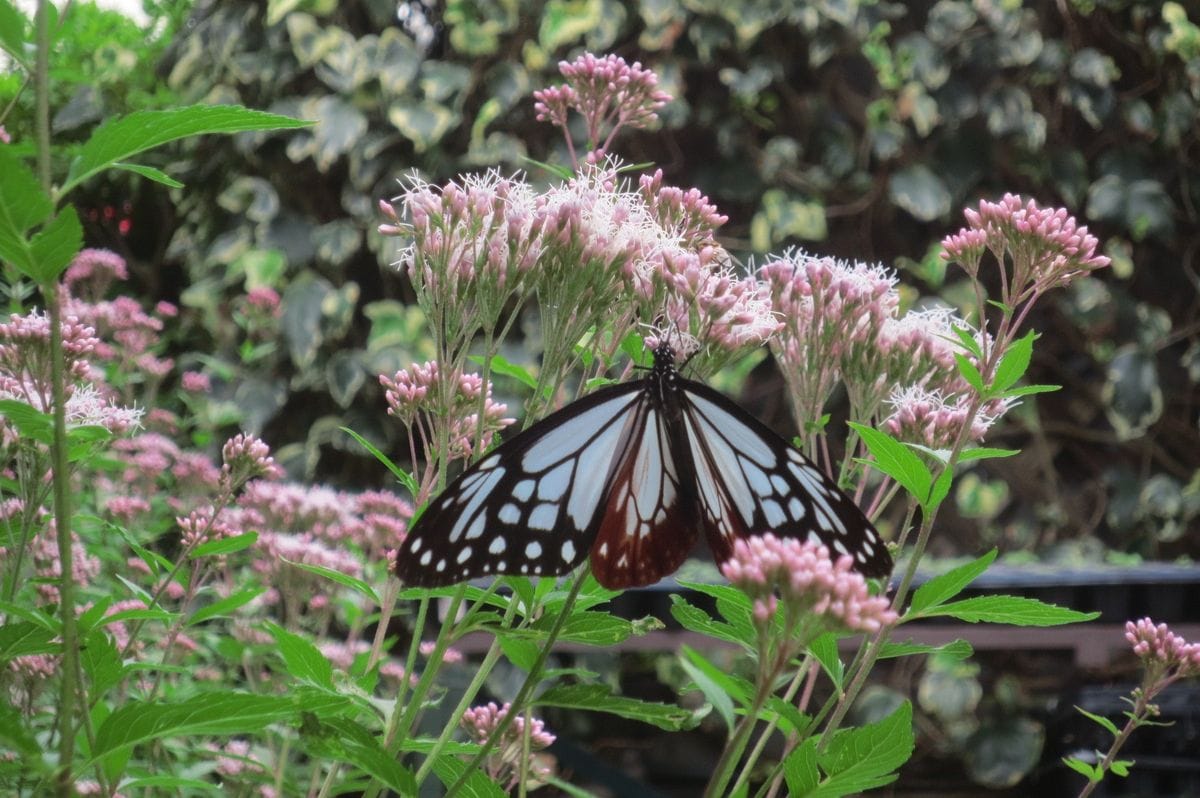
x,y
630,475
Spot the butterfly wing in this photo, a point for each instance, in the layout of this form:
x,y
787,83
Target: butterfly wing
x,y
651,520
533,505
748,480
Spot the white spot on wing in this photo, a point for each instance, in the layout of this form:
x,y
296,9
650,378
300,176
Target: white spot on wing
x,y
509,514
497,546
773,513
463,555
523,490
533,550
568,551
476,528
427,557
552,486
543,517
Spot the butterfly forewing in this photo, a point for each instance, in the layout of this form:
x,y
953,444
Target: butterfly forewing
x,y
749,480
531,506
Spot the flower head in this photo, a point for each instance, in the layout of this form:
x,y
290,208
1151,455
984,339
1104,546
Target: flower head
x,y
92,272
815,592
482,722
1161,649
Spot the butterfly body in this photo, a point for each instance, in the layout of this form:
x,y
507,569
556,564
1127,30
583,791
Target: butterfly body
x,y
631,475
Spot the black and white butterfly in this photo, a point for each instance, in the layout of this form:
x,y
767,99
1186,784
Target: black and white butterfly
x,y
630,475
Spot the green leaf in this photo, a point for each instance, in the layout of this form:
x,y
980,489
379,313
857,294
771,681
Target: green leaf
x,y
695,619
21,639
345,580
735,687
969,372
897,461
171,785
865,758
23,204
825,649
966,337
600,698
1028,390
12,33
559,171
1100,719
228,545
716,696
984,453
948,585
102,663
1015,610
1121,766
800,769
304,660
399,473
940,489
30,422
588,628
150,173
1083,768
121,137
53,247
1014,363
502,366
954,650
449,769
522,653
345,740
218,712
226,606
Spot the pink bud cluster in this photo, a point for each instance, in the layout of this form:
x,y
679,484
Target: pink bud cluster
x,y
924,416
92,272
481,723
1169,654
813,589
202,525
450,655
607,92
1046,246
685,214
412,394
25,364
245,458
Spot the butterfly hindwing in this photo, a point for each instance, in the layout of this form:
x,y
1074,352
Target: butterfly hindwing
x,y
650,521
749,480
532,505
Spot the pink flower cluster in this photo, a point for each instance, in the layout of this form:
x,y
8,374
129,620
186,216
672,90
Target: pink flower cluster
x,y
245,458
504,762
607,92
92,272
412,396
1163,650
1047,246
812,588
927,417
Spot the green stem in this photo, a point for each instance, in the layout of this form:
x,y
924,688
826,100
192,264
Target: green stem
x,y
531,682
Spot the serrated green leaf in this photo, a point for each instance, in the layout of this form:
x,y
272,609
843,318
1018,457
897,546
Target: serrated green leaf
x,y
948,585
1121,766
867,757
102,663
789,719
304,660
800,769
21,639
220,713
54,246
717,698
122,137
897,461
399,473
229,545
225,606
1015,610
449,769
940,489
1100,719
588,628
12,34
695,619
522,653
345,740
737,688
600,698
23,204
345,580
825,649
954,650
30,422
1014,363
